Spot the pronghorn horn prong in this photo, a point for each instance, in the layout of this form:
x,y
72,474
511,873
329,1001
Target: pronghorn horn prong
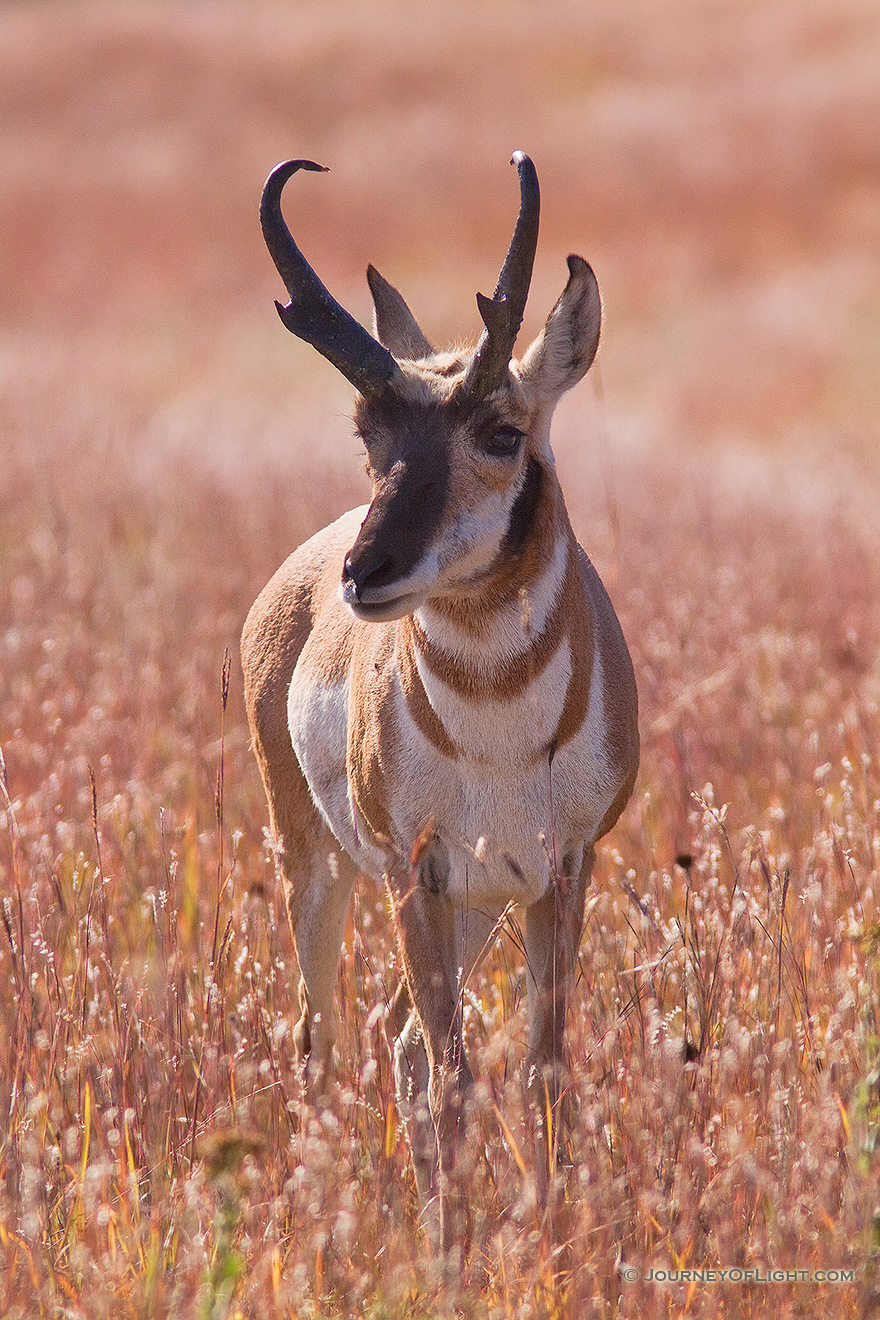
x,y
503,313
313,314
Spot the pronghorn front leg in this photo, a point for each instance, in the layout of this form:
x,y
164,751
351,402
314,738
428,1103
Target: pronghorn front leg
x,y
318,908
426,929
411,1079
553,933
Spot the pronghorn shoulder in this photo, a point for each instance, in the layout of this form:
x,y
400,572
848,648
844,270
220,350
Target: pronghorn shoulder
x,y
619,694
283,616
609,634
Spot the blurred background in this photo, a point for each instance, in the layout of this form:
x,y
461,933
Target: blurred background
x,y
719,164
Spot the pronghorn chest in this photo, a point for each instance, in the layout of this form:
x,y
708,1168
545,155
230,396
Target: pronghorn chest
x,y
510,775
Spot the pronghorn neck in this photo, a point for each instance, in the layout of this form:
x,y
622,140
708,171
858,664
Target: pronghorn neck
x,y
509,603
522,635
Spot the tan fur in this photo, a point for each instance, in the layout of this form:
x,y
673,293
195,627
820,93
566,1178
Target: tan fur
x,y
568,619
422,712
275,632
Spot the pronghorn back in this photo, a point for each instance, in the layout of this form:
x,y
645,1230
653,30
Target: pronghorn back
x,y
438,688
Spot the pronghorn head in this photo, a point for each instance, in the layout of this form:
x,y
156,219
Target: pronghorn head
x,y
457,443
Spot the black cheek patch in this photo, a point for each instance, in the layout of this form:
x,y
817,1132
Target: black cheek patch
x,y
524,506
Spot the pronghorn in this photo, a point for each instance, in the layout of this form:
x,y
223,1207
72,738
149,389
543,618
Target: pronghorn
x,y
437,685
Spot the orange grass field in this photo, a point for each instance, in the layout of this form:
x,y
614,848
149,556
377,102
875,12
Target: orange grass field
x,y
165,443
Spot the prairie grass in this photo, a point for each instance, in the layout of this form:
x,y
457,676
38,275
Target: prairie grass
x,y
160,456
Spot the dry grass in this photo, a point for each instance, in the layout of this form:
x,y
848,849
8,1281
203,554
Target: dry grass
x,y
720,166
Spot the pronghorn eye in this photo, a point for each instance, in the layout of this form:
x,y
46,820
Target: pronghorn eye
x,y
504,442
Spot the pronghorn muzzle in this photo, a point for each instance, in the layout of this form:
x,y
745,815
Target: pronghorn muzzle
x,y
313,314
381,575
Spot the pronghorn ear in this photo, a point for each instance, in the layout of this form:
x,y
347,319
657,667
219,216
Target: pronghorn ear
x,y
565,348
394,325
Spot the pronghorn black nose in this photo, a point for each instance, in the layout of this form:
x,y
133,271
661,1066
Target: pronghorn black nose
x,y
369,571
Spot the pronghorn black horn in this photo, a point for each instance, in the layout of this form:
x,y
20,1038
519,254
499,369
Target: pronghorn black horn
x,y
503,313
313,314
